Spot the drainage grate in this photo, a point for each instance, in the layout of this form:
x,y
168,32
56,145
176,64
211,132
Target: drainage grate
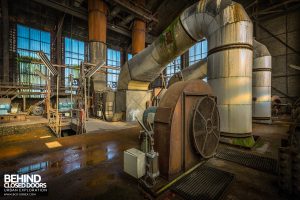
x,y
204,183
249,160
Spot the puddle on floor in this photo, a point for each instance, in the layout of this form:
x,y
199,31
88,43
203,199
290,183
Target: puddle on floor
x,y
74,158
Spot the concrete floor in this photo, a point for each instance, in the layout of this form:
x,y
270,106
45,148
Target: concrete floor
x,y
90,166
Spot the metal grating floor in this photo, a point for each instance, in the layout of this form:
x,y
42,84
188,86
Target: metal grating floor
x,y
249,160
204,183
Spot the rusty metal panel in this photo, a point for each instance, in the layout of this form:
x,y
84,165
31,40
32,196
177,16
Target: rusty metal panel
x,y
172,140
163,115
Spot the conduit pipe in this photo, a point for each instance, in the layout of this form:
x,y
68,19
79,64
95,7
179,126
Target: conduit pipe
x,y
228,30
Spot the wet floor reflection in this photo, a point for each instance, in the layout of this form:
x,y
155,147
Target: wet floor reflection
x,y
33,168
71,159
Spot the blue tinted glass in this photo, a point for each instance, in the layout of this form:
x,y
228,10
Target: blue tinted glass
x,y
22,31
45,37
35,34
81,47
45,47
191,51
67,44
35,45
75,46
23,43
129,56
67,62
81,57
204,46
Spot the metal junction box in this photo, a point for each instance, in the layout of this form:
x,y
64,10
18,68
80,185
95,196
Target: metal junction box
x,y
135,162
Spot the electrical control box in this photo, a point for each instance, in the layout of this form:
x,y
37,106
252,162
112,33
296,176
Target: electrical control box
x,y
135,162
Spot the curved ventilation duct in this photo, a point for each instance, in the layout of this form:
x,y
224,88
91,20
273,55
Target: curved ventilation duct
x,y
262,66
228,30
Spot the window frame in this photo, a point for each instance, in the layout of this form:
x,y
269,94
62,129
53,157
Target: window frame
x,y
27,59
113,59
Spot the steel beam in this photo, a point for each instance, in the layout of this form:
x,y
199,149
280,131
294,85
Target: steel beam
x,y
80,14
278,39
280,4
135,9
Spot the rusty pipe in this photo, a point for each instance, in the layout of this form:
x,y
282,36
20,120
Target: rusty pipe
x,y
228,30
97,21
138,36
97,10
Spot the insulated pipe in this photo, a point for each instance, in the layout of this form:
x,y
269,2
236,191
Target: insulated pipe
x,y
261,81
228,30
261,84
198,70
97,38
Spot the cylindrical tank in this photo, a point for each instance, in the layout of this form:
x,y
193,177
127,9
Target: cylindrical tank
x,y
261,82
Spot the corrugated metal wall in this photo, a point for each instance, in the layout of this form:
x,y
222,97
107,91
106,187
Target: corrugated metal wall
x,y
286,28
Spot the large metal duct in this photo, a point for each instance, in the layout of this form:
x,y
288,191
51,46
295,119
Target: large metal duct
x,y
198,70
228,30
261,82
262,66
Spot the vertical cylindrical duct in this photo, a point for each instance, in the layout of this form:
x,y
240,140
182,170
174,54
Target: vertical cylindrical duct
x,y
138,36
97,38
228,30
262,66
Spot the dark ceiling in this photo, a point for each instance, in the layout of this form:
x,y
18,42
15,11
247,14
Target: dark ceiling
x,y
157,14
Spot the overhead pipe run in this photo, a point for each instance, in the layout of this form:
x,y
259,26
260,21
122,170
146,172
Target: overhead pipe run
x,y
228,30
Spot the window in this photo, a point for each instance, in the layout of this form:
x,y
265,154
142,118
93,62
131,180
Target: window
x,y
113,60
198,52
29,41
74,54
129,56
172,68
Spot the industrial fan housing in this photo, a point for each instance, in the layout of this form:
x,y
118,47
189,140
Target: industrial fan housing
x,y
186,127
